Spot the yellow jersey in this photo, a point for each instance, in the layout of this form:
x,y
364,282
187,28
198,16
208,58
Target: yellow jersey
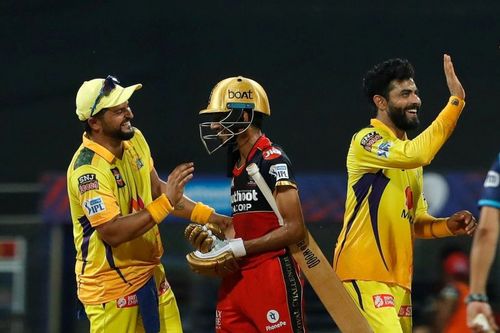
x,y
100,187
385,199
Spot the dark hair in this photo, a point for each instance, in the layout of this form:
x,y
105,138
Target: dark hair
x,y
378,79
85,123
258,119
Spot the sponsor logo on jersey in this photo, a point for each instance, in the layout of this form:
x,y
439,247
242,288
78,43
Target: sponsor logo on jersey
x,y
383,300
218,319
164,286
279,171
271,153
118,177
492,179
273,317
409,197
383,149
369,139
127,301
241,200
240,94
94,206
405,311
87,182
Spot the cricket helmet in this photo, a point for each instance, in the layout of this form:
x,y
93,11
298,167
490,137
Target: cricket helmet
x,y
227,102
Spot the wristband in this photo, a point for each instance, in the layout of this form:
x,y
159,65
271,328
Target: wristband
x,y
160,208
476,298
237,247
201,213
439,228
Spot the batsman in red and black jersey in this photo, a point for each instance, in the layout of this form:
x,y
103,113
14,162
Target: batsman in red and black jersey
x,y
265,294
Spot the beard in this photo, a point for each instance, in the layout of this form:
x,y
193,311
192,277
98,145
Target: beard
x,y
402,121
119,134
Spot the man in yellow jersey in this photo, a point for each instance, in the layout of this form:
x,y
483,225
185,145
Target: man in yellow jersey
x,y
385,207
117,201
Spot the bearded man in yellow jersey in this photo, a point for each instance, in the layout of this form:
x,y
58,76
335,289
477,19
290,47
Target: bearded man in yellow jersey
x,y
385,206
117,201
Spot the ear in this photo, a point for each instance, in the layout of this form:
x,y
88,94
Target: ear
x,y
380,102
94,123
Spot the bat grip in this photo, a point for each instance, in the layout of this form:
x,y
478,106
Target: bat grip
x,y
253,172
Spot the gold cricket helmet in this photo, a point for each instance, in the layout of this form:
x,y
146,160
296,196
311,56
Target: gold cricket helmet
x,y
229,99
237,92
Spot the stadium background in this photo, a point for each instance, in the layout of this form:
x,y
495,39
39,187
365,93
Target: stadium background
x,y
309,56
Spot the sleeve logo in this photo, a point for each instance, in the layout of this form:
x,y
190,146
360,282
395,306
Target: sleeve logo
x,y
94,206
369,139
492,179
271,153
279,171
383,149
87,182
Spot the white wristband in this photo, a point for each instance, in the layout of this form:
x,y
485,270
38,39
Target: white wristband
x,y
237,247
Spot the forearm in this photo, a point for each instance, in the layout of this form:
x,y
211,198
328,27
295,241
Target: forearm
x,y
122,229
426,145
483,249
429,227
277,239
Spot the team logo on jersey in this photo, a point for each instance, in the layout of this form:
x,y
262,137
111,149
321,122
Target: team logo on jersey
x,y
279,171
94,206
118,177
87,182
127,301
271,153
369,139
383,149
383,300
273,317
492,179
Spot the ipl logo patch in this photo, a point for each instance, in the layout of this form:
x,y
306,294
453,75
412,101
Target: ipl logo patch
x,y
279,171
94,206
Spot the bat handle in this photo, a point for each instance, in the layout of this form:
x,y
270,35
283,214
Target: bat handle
x,y
253,171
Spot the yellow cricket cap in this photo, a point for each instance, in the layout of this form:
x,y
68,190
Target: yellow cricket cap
x,y
90,91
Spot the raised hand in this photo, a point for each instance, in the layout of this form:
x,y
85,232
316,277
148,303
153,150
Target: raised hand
x,y
462,223
454,84
176,181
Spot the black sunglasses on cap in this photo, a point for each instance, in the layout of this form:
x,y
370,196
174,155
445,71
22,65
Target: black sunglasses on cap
x,y
107,86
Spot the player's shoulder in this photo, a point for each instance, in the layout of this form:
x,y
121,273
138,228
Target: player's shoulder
x,y
368,136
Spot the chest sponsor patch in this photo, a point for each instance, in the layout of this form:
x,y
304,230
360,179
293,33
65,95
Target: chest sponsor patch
x,y
87,182
118,177
383,301
271,153
369,139
279,171
94,206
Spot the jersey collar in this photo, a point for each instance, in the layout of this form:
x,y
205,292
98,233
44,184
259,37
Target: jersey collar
x,y
378,124
100,150
262,143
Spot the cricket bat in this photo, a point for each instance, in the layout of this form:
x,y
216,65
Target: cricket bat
x,y
319,272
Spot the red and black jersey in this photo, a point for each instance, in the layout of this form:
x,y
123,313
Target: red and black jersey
x,y
253,217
